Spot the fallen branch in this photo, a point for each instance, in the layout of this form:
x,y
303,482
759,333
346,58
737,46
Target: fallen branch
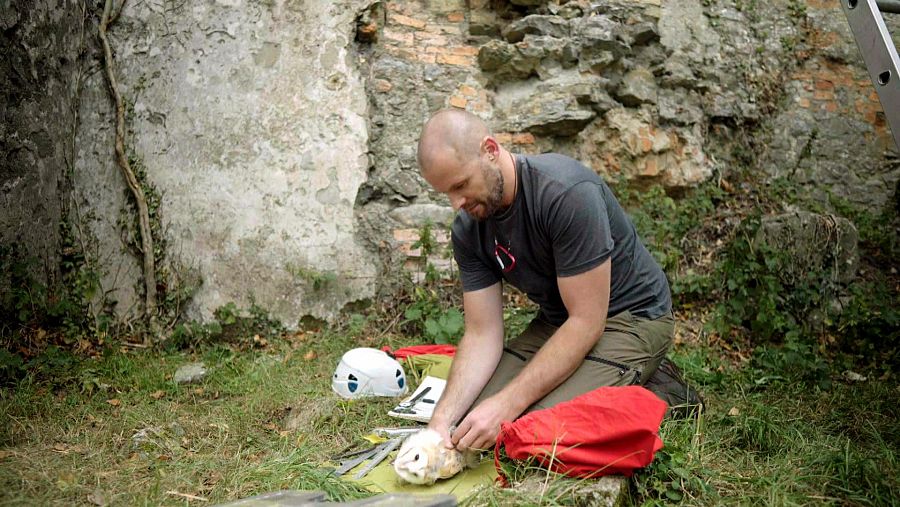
x,y
185,495
125,166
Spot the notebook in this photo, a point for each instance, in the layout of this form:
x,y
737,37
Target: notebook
x,y
419,406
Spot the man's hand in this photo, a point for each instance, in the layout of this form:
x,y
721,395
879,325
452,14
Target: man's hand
x,y
479,429
444,431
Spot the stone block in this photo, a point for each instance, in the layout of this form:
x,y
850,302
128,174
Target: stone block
x,y
638,87
536,24
814,243
605,491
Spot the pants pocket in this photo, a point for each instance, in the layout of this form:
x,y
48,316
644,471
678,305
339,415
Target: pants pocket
x,y
623,368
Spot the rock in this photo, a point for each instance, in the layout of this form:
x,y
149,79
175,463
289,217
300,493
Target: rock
x,y
627,142
526,58
189,373
483,23
600,33
604,491
404,182
814,243
821,150
497,55
553,114
157,440
640,34
678,74
638,87
535,24
679,106
571,10
417,215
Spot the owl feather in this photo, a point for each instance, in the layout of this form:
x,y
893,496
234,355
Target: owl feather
x,y
423,459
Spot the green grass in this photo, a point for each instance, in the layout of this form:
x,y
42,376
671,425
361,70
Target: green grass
x,y
778,443
265,419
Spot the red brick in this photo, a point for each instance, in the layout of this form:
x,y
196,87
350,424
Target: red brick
x,y
456,17
523,138
443,28
431,39
803,102
405,39
824,85
382,86
463,61
463,50
410,235
421,57
651,167
468,91
503,137
457,101
400,19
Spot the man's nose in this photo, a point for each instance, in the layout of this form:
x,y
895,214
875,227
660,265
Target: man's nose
x,y
456,201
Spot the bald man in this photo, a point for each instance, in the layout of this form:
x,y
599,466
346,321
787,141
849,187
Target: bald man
x,y
551,227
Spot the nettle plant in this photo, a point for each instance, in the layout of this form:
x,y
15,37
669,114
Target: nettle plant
x,y
432,312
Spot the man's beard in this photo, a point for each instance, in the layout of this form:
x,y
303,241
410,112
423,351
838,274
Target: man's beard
x,y
494,178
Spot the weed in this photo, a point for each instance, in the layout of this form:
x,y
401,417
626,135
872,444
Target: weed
x,y
429,311
231,325
315,279
427,315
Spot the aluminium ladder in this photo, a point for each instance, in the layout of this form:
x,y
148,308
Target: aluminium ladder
x,y
879,53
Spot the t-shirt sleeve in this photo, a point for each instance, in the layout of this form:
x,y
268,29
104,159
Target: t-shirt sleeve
x,y
473,272
579,226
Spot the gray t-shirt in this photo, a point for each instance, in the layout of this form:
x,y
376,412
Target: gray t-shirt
x,y
564,221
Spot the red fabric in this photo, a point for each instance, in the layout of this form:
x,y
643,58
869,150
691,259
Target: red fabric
x,y
417,350
611,430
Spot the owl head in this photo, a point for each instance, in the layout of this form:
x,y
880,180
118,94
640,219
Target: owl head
x,y
417,460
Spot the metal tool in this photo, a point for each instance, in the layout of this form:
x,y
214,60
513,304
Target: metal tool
x,y
396,432
350,464
406,406
375,455
383,451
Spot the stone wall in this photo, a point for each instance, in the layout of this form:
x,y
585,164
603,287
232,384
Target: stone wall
x,y
42,43
644,91
280,136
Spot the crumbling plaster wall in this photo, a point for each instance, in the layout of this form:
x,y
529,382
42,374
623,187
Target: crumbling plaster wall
x,y
250,120
42,45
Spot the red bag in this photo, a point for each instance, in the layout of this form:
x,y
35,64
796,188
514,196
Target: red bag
x,y
610,430
416,350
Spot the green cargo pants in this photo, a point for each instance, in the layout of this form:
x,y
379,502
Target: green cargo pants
x,y
628,353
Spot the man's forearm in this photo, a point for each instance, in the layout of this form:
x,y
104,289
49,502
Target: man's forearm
x,y
475,361
553,364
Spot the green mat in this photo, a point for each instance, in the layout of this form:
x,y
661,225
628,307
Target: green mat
x,y
424,365
383,479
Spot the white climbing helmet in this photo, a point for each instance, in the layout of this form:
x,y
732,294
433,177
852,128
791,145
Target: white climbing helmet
x,y
368,372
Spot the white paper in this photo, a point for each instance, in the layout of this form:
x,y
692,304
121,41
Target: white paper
x,y
423,409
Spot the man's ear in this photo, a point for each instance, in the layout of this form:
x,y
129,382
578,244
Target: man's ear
x,y
490,147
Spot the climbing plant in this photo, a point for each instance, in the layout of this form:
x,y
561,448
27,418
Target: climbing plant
x,y
149,263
